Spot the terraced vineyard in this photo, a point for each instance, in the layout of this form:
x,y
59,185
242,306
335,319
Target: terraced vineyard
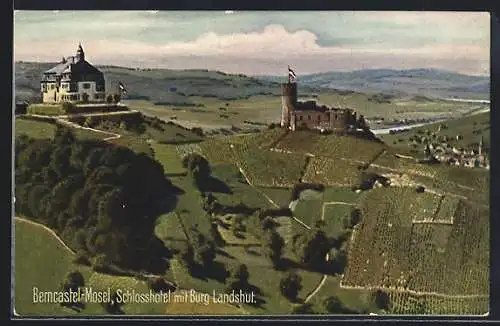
x,y
331,172
391,252
404,303
331,146
267,168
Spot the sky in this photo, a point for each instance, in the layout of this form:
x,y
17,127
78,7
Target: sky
x,y
260,42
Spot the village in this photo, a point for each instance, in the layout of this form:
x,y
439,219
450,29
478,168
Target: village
x,y
439,149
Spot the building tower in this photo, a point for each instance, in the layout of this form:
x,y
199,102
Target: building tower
x,y
288,99
80,55
481,144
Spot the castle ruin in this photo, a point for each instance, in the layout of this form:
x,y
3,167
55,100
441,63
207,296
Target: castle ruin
x,y
310,115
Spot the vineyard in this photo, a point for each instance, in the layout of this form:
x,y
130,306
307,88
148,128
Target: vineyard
x,y
331,146
391,252
404,303
267,168
340,173
217,150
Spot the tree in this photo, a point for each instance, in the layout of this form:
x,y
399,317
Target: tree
x,y
72,282
197,131
382,300
67,107
333,305
303,309
109,99
113,306
272,246
197,166
312,247
85,98
116,98
290,285
238,277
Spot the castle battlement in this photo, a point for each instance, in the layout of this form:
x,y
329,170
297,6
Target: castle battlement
x,y
310,115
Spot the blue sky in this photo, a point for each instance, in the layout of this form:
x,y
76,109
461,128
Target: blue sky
x,y
258,43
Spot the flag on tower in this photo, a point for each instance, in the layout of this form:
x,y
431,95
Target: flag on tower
x,y
291,75
122,87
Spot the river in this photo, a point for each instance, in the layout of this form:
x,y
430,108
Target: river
x,y
384,131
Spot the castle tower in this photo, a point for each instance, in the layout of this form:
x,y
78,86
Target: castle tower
x,y
288,102
80,55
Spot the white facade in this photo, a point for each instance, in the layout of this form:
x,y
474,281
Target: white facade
x,y
73,80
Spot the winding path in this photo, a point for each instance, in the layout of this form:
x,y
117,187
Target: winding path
x,y
62,119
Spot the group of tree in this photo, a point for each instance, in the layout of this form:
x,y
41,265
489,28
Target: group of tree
x,y
73,281
238,278
103,200
290,286
312,246
199,254
198,168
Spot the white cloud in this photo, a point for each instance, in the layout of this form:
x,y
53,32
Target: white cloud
x,y
275,45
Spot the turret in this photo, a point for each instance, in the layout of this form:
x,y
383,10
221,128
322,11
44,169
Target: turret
x,y
80,55
288,102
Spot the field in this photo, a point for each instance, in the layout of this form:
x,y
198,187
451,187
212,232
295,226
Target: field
x,y
331,172
213,113
393,252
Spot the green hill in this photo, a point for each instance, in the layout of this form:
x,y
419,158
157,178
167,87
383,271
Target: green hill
x,y
160,86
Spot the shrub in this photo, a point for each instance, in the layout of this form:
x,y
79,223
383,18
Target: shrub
x,y
290,285
159,284
82,258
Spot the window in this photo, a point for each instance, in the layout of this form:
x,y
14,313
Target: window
x,y
319,118
86,85
300,117
308,117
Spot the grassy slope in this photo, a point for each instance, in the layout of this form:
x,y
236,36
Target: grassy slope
x,y
38,129
34,246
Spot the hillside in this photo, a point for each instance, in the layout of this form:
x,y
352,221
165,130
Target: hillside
x,y
159,86
427,82
244,207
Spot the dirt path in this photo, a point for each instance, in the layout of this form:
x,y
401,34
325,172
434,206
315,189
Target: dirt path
x,y
77,126
48,230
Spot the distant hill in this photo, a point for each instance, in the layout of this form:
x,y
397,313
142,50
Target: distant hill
x,y
162,86
426,82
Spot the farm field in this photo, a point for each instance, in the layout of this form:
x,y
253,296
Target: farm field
x,y
213,113
405,304
402,255
331,146
332,172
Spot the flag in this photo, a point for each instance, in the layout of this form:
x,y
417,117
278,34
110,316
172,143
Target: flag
x,y
122,87
291,74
